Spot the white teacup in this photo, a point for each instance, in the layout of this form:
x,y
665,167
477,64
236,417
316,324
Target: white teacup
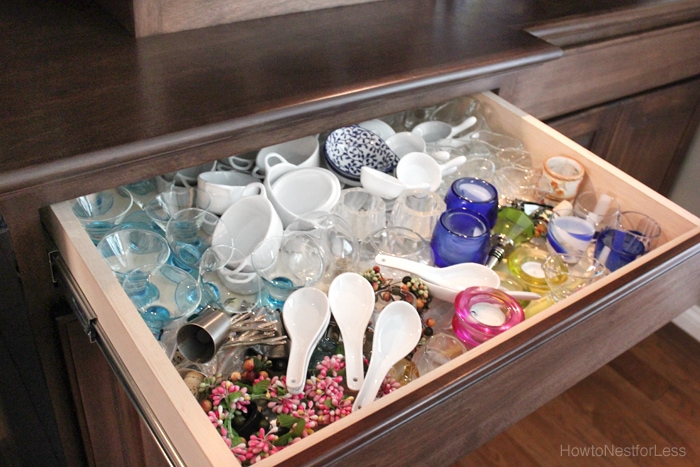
x,y
182,178
302,152
295,191
250,220
225,188
241,162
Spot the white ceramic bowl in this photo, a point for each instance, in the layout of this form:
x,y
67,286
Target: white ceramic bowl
x,y
304,190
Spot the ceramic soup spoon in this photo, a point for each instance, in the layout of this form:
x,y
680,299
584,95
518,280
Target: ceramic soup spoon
x,y
396,333
417,167
306,315
433,130
384,185
455,278
351,299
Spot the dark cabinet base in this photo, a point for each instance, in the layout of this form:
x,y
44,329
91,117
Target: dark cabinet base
x,y
646,135
111,429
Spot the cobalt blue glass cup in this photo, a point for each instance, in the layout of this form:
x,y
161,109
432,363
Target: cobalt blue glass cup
x,y
460,237
616,248
477,196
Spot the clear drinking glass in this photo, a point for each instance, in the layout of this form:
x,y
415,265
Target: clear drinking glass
x,y
101,212
163,206
128,249
286,264
190,232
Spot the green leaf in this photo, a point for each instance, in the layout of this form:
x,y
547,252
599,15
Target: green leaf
x,y
235,439
261,387
286,421
296,425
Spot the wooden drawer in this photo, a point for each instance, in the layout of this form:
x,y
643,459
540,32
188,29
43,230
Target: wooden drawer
x,y
462,404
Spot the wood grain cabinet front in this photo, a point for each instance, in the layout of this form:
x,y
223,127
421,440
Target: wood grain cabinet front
x,y
646,135
478,394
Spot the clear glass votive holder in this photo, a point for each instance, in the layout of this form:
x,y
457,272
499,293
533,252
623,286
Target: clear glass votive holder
x,y
600,209
364,211
417,210
396,241
566,274
439,349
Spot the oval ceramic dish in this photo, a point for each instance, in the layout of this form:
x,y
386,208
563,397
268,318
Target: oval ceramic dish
x,y
350,148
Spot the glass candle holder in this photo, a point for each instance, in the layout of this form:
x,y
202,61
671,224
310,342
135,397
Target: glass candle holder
x,y
475,195
565,274
569,233
460,237
482,313
525,262
600,209
417,210
364,211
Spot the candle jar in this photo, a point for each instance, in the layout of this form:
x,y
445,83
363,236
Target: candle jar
x,y
564,176
525,263
482,313
476,196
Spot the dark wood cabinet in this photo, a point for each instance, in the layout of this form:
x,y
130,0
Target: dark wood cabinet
x,y
104,410
646,135
88,107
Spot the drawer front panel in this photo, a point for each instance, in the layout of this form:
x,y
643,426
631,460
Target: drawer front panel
x,y
614,68
458,391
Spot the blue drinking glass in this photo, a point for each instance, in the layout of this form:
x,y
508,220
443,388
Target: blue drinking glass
x,y
460,237
477,196
616,248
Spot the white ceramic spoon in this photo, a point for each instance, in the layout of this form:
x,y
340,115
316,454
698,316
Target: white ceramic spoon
x,y
384,185
351,298
419,167
433,130
306,316
453,278
396,333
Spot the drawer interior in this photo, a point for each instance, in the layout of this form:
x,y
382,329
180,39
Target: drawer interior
x,y
187,428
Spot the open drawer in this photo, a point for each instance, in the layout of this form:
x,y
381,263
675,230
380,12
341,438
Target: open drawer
x,y
463,403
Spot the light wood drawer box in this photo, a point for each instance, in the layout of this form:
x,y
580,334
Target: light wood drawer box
x,y
457,407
